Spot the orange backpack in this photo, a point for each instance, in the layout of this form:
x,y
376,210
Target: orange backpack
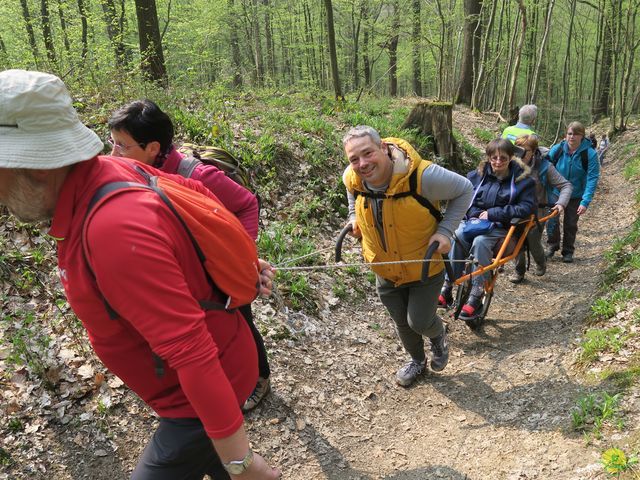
x,y
226,250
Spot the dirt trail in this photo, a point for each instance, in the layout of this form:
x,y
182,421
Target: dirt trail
x,y
499,411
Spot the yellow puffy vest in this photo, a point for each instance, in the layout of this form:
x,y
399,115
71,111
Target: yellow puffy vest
x,y
407,224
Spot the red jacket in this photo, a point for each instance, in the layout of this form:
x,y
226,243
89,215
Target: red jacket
x,y
148,271
238,200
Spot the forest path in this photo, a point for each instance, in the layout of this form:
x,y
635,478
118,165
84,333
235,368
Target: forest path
x,y
500,410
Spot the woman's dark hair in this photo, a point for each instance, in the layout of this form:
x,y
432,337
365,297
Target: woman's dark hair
x,y
496,145
501,145
145,122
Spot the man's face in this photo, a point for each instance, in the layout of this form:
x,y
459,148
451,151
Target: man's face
x,y
370,161
27,197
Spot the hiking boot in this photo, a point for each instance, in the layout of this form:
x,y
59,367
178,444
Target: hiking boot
x,y
550,252
408,373
439,352
445,300
516,277
263,387
567,258
541,269
471,309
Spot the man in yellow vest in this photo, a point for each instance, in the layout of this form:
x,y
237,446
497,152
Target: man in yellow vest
x,y
394,206
526,117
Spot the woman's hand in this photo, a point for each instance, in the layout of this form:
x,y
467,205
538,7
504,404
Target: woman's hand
x,y
484,215
558,207
267,272
581,210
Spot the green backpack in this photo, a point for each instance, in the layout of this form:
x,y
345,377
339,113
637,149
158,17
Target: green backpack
x,y
218,157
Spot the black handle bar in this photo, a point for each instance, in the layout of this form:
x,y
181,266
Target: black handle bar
x,y
427,256
347,228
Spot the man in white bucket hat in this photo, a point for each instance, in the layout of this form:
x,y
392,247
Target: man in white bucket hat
x,y
50,169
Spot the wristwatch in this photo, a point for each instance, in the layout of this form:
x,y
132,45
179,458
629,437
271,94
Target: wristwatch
x,y
237,467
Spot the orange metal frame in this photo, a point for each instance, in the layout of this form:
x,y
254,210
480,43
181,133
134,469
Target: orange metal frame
x,y
499,260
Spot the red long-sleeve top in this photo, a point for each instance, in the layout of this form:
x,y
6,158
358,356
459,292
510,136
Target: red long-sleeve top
x,y
146,268
238,200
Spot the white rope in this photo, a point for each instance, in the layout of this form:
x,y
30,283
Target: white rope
x,y
360,264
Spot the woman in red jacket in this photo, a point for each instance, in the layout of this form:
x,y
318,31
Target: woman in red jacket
x,y
142,131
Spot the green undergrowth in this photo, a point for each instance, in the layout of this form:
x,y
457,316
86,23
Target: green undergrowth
x,y
609,343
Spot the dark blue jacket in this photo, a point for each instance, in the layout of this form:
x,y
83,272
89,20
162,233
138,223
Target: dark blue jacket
x,y
512,197
570,167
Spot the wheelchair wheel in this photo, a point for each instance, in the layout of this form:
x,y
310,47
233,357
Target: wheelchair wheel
x,y
478,321
461,297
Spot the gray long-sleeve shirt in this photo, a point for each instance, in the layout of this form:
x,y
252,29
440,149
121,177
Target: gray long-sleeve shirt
x,y
438,185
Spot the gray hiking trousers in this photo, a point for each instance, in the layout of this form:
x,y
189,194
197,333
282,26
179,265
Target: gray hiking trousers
x,y
413,309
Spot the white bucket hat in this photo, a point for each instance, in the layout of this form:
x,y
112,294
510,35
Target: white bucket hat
x,y
39,127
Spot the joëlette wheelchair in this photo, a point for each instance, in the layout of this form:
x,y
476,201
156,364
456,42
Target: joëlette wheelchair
x,y
504,251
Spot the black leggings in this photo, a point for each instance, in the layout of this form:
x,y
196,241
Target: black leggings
x,y
179,450
263,363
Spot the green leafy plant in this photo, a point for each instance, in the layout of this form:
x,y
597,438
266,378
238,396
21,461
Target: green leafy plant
x,y
597,341
606,307
484,135
594,410
616,462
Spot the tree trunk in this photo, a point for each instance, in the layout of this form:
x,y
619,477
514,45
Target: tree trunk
x,y
475,98
63,27
433,119
28,24
601,103
471,50
393,50
82,9
366,63
443,29
114,31
236,64
355,65
257,45
46,32
415,54
152,56
518,55
545,36
565,75
268,40
333,56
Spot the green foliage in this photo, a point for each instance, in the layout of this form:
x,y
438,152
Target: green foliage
x,y
282,242
623,379
595,410
624,255
615,462
597,341
472,155
484,135
606,307
340,289
5,458
15,425
29,345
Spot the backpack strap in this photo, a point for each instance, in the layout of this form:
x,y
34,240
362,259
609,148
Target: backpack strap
x,y
113,188
412,192
584,157
187,165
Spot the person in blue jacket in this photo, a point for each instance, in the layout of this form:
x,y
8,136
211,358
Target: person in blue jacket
x,y
503,190
576,161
